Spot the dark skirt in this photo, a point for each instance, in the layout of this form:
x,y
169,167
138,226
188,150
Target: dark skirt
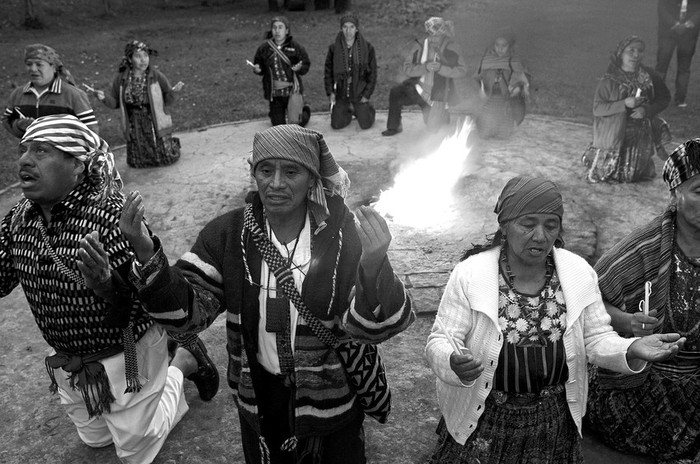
x,y
144,148
659,418
631,163
538,433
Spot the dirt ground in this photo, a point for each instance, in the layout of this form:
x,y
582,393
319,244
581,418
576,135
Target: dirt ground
x,y
35,428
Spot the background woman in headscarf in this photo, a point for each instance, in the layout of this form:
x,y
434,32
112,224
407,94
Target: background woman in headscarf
x,y
432,65
524,316
350,76
140,92
627,131
278,73
48,79
505,83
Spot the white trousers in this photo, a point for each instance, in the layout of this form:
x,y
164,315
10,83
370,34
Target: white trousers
x,y
138,423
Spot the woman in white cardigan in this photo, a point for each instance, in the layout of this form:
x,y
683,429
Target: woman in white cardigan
x,y
518,320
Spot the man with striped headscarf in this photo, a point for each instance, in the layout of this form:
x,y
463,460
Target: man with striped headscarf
x,y
656,413
63,245
294,400
431,65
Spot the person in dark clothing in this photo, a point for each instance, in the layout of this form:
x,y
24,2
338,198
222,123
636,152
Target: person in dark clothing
x,y
350,76
431,67
678,30
279,69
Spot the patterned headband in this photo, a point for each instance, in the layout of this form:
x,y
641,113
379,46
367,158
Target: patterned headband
x,y
683,164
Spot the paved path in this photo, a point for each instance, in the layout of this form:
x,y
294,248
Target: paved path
x,y
212,177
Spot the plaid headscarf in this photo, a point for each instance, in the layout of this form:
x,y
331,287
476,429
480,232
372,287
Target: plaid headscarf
x,y
68,134
683,164
45,53
307,147
439,26
528,195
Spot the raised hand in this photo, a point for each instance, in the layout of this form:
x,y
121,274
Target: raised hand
x,y
375,238
94,261
132,226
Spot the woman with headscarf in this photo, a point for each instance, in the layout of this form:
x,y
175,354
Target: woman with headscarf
x,y
655,413
49,80
295,245
140,92
281,61
505,85
350,76
432,65
518,320
627,130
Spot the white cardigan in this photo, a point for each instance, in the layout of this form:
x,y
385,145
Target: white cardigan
x,y
469,311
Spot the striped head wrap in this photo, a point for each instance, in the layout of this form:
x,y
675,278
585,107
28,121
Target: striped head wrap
x,y
439,26
307,147
683,163
528,195
68,134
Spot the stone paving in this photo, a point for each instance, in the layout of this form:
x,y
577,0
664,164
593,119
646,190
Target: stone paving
x,y
212,177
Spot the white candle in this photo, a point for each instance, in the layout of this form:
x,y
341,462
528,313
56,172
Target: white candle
x,y
449,337
647,292
638,94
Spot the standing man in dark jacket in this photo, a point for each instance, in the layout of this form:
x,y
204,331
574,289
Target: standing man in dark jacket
x,y
678,30
278,60
350,76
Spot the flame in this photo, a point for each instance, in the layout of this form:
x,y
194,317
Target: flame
x,y
422,196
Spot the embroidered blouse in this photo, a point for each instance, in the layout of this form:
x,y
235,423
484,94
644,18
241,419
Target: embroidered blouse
x,y
533,355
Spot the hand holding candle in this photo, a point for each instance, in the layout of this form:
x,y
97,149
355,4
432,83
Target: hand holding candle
x,y
462,362
644,305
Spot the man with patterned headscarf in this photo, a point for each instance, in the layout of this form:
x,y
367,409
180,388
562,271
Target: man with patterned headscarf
x,y
62,243
431,67
294,247
51,90
655,413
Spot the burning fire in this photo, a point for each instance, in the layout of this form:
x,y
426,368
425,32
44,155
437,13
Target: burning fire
x,y
421,196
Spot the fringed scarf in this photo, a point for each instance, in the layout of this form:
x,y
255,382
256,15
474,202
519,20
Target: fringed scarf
x,y
342,68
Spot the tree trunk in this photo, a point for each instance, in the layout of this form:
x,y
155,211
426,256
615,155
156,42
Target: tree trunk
x,y
31,15
272,5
